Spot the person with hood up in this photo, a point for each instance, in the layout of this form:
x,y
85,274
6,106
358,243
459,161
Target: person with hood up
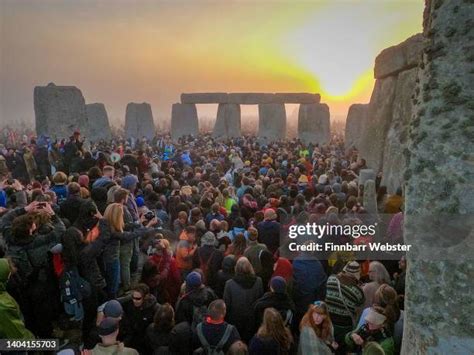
x,y
12,326
240,292
192,305
138,314
224,274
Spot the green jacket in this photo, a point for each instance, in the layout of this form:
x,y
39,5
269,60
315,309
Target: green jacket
x,y
384,339
11,323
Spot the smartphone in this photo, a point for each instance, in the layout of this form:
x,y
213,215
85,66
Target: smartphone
x,y
41,205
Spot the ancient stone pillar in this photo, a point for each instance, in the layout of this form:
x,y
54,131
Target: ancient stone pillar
x,y
370,197
98,122
366,174
272,122
314,123
59,110
227,121
355,123
139,121
184,120
440,195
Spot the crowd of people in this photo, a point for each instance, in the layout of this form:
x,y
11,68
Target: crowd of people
x,y
155,247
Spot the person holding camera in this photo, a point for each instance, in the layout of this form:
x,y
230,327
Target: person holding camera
x,y
374,329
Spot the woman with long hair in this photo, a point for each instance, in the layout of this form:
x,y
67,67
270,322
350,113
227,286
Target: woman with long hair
x,y
158,332
238,246
272,337
317,334
378,276
114,215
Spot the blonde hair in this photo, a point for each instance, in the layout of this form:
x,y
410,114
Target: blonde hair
x,y
114,215
381,274
244,267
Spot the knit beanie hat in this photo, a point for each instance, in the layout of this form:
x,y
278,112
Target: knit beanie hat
x,y
193,280
278,284
352,268
83,180
140,201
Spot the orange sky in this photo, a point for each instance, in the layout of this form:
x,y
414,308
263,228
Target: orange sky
x,y
134,51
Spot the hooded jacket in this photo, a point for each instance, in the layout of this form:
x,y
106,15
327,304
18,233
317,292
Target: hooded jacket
x,y
199,297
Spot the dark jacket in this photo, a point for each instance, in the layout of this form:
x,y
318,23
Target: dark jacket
x,y
70,207
214,333
280,301
269,234
240,294
196,298
226,273
135,322
309,282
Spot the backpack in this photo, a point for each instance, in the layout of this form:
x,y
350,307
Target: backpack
x,y
209,349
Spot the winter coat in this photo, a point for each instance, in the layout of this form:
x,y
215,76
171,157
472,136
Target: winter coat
x,y
196,298
226,273
209,260
240,293
309,282
280,301
252,253
169,278
269,234
70,207
135,322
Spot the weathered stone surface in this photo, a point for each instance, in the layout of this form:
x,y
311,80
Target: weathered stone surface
x,y
370,197
314,123
250,98
355,124
440,177
297,98
139,121
272,121
379,116
59,110
205,98
98,121
366,174
394,162
395,59
227,122
184,120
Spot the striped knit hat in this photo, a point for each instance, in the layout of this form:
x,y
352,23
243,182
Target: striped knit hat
x,y
352,268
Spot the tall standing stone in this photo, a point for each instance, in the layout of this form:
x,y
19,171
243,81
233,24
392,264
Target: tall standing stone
x,y
139,121
184,120
59,110
372,141
440,177
228,122
272,122
370,197
98,121
355,125
314,124
396,142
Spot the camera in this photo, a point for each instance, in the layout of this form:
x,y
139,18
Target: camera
x,y
363,332
149,215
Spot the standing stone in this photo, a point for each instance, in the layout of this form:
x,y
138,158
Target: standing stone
x,y
184,120
139,121
272,122
98,121
366,174
355,124
314,124
370,197
59,110
227,122
372,141
394,162
440,177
